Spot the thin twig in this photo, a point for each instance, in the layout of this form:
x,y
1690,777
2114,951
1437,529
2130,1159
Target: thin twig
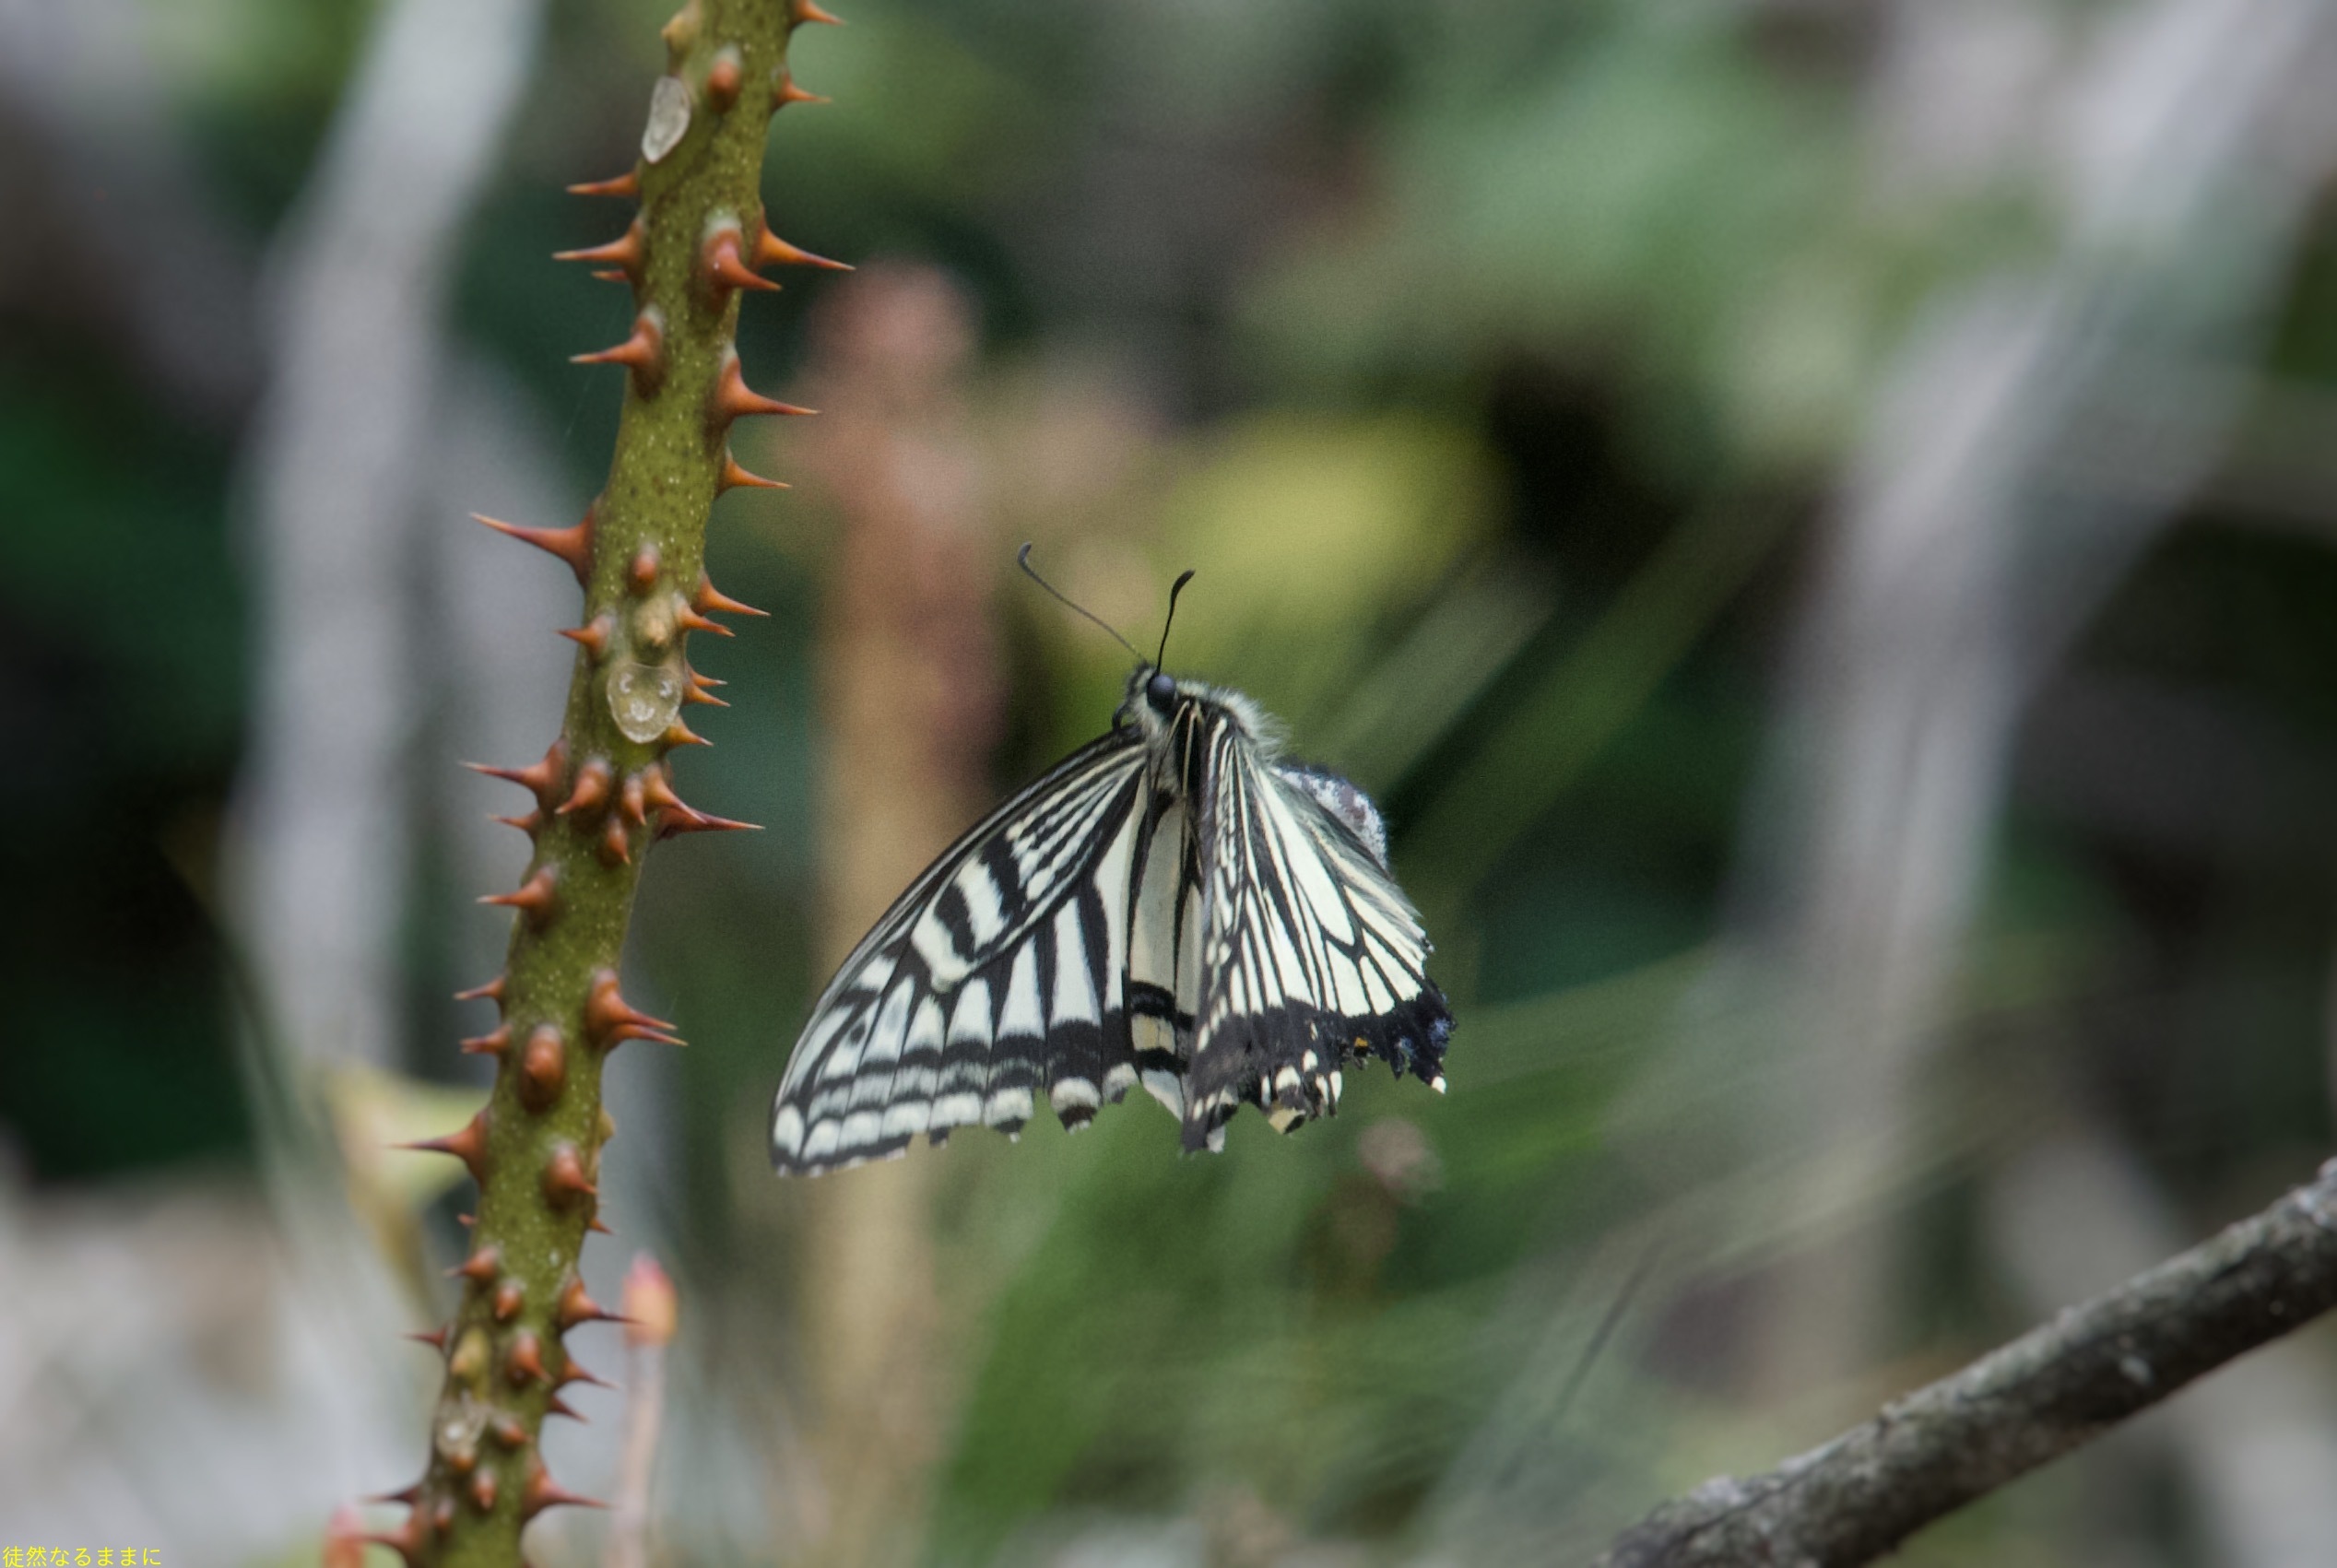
x,y
1862,1495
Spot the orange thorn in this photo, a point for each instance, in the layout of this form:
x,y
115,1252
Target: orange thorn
x,y
732,397
700,822
723,79
593,636
625,253
611,275
435,1338
697,694
564,1178
725,268
468,1144
594,1225
592,782
509,1298
556,1406
407,1495
541,1492
524,1362
491,991
709,599
681,734
533,898
543,1067
642,353
492,1043
573,546
735,477
625,184
690,620
606,1010
802,11
633,801
482,1267
505,1428
538,778
616,844
527,824
483,1492
576,1307
643,572
771,250
659,792
787,92
576,1373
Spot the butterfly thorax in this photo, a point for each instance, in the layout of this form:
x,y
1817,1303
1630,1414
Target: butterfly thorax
x,y
1172,716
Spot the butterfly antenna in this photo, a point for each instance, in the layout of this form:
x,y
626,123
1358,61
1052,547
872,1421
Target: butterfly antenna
x,y
1169,620
1022,559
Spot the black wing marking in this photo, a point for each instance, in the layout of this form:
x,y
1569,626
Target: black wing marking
x,y
1309,951
999,976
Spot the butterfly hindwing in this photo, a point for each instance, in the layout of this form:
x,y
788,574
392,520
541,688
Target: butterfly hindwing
x,y
1309,951
993,981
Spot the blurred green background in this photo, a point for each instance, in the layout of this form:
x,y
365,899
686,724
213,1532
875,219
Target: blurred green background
x,y
1814,520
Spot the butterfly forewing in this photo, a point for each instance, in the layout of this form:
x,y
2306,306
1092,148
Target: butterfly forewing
x,y
989,982
1310,951
1169,905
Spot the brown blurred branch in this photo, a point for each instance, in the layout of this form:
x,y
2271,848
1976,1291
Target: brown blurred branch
x,y
1859,1496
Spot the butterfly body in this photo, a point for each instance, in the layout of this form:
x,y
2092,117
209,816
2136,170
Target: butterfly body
x,y
1172,905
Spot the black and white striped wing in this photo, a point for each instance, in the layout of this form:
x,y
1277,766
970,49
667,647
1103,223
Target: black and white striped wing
x,y
1310,953
999,976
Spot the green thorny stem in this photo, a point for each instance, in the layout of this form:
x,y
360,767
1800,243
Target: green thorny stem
x,y
603,792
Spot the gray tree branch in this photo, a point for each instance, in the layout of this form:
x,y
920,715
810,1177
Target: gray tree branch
x,y
1859,1496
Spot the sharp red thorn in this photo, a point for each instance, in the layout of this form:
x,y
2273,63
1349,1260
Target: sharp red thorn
x,y
642,353
625,1032
726,266
625,253
491,991
802,11
543,1067
576,1307
607,1011
732,399
698,822
735,477
593,636
533,898
724,78
495,1043
787,92
524,1362
771,250
405,1496
527,824
690,620
599,1229
641,571
541,1492
625,184
573,546
594,781
698,694
633,801
538,778
435,1338
556,1406
709,599
482,1267
466,1143
564,1179
616,844
509,1298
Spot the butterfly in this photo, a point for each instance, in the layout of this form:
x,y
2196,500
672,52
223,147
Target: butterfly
x,y
1173,904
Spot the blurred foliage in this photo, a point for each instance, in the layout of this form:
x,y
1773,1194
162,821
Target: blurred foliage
x,y
1488,361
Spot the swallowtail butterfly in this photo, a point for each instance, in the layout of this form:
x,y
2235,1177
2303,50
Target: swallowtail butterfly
x,y
1173,904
